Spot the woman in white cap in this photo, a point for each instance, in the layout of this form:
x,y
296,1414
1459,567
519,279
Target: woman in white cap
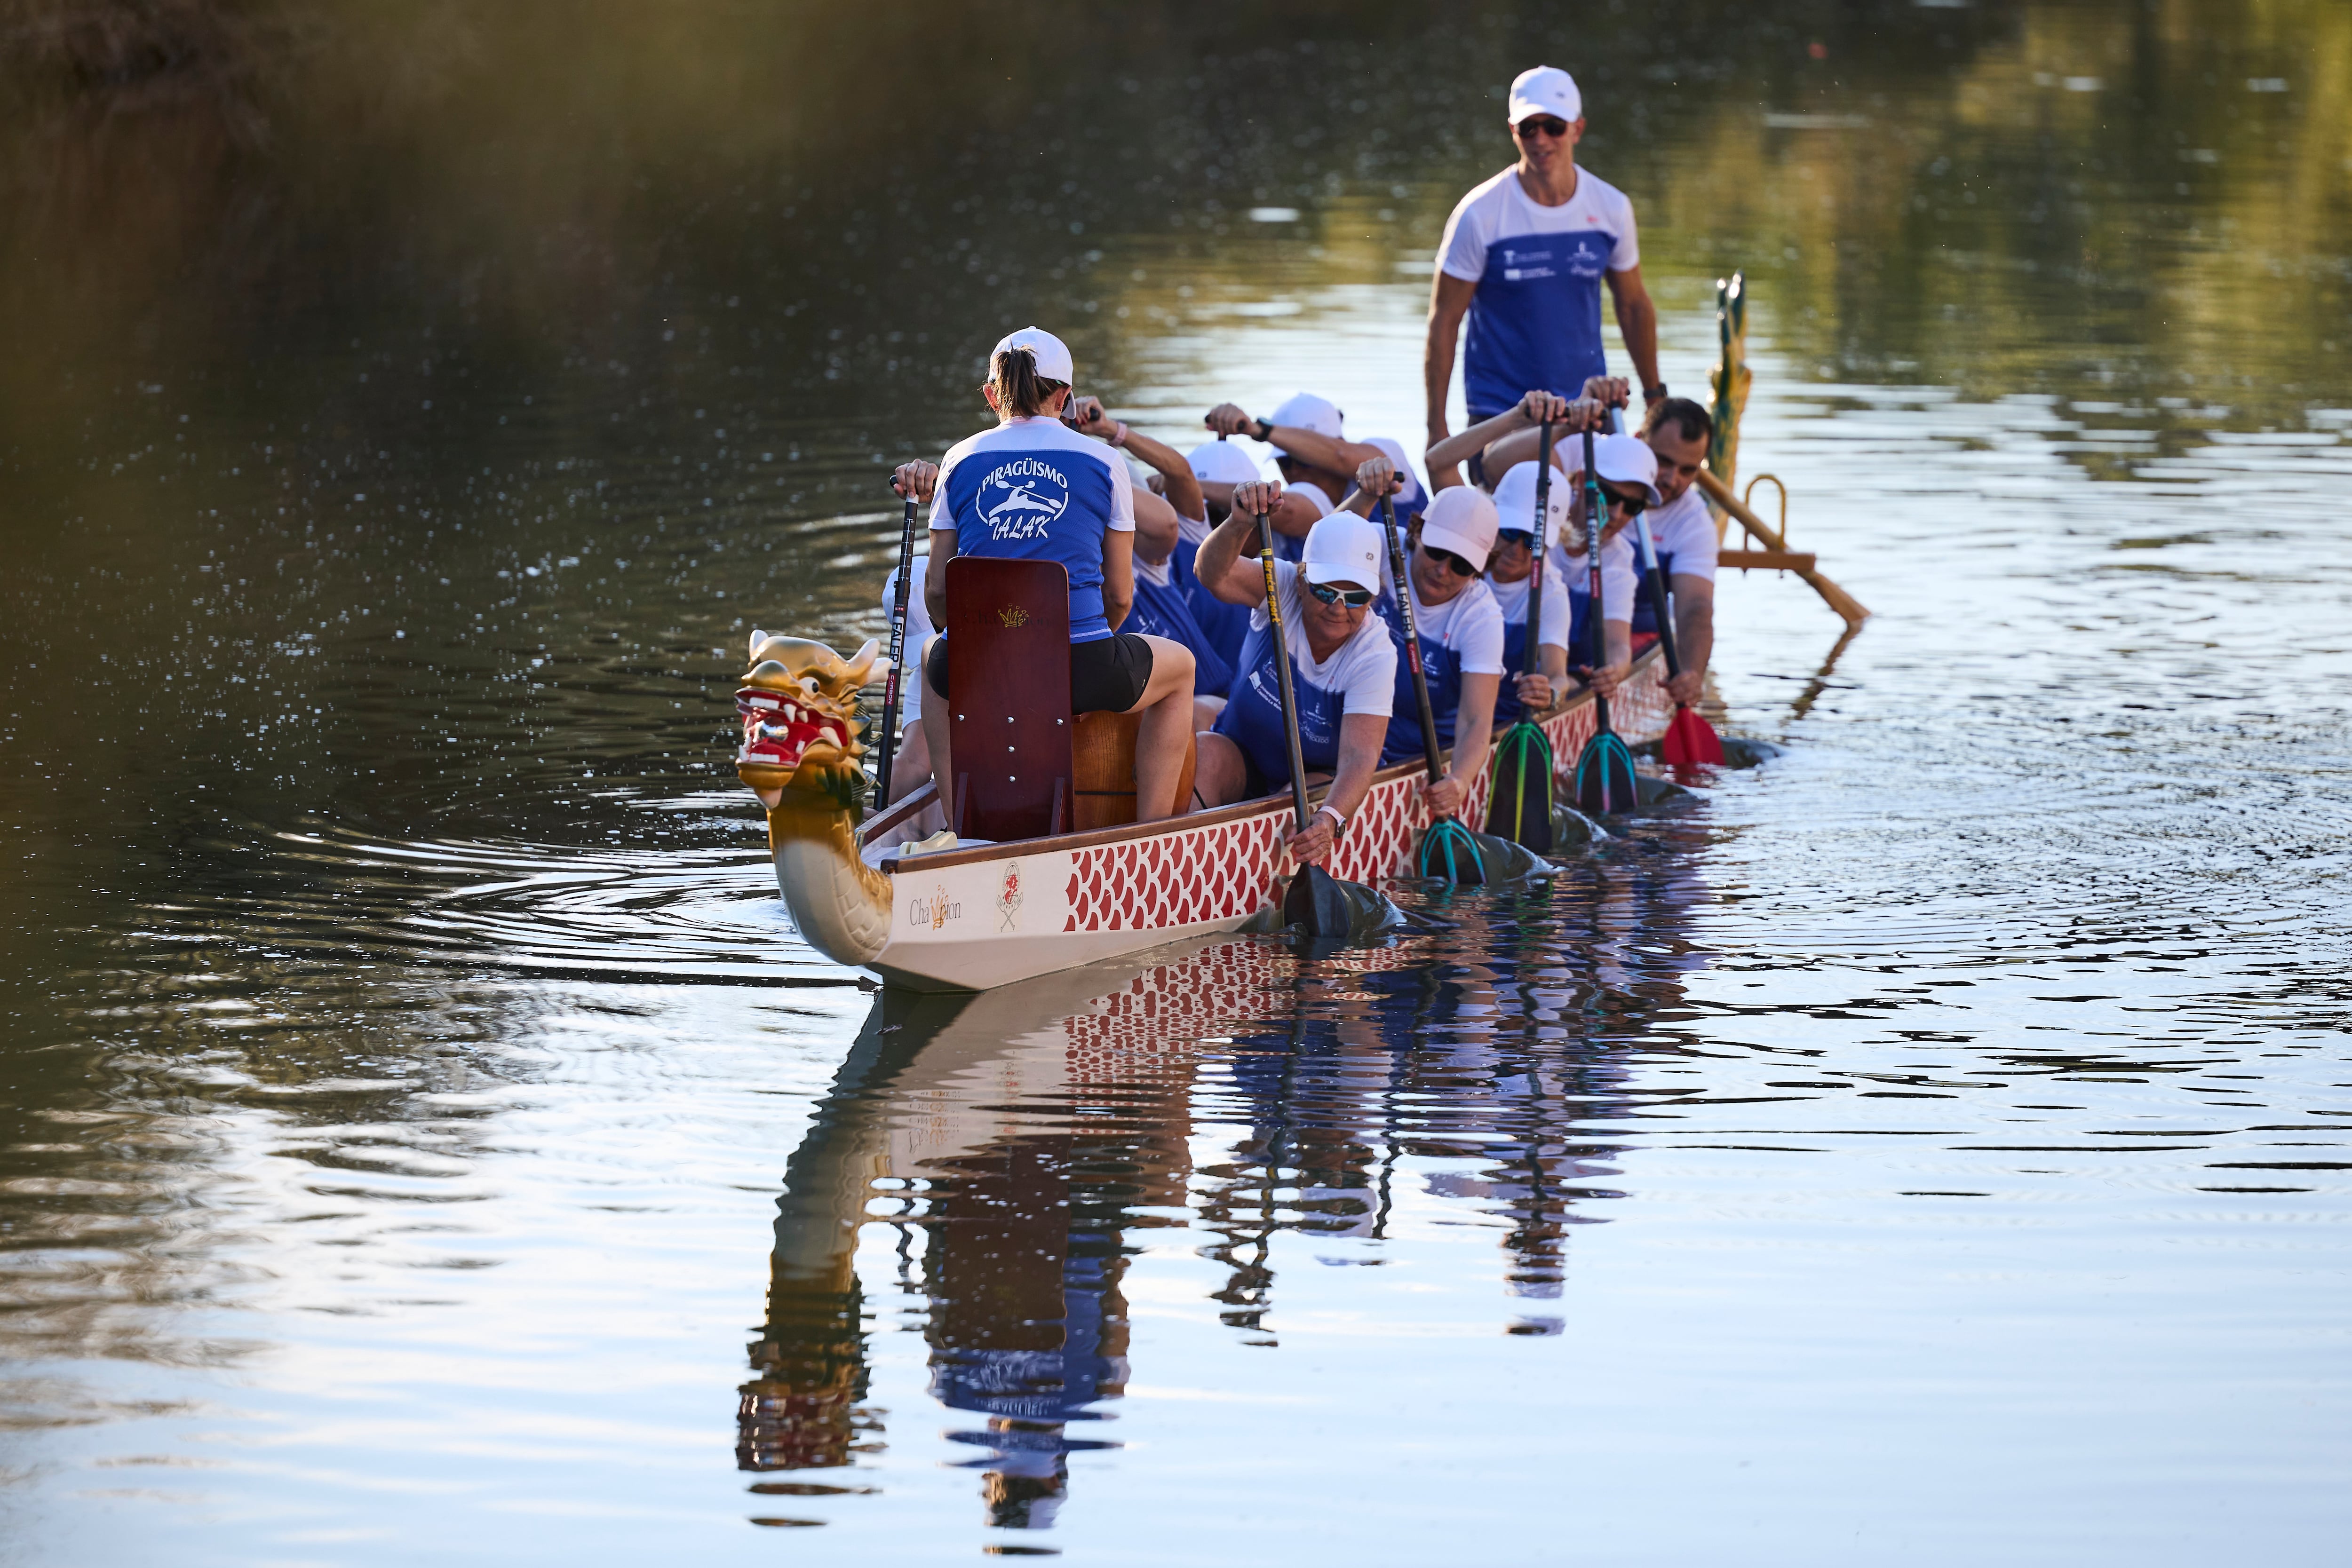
x,y
1459,627
1524,257
1529,685
1343,667
1628,472
1034,489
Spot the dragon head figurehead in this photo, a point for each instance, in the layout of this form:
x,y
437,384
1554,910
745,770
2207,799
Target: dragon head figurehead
x,y
799,707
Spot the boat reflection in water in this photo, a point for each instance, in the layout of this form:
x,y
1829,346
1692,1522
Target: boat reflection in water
x,y
1025,1135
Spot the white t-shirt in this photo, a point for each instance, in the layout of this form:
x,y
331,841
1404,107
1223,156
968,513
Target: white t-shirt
x,y
1620,585
1362,669
1469,626
1501,209
1684,530
1511,599
919,635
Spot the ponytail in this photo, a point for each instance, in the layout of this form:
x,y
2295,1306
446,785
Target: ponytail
x,y
1020,390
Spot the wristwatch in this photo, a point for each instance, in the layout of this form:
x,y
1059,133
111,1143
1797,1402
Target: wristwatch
x,y
1651,394
1261,429
1339,822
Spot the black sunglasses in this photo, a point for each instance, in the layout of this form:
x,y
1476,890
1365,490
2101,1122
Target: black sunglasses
x,y
1521,539
1631,506
1450,561
1551,125
1353,598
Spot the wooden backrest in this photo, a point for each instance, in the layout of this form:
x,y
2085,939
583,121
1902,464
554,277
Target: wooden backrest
x,y
1102,758
1009,730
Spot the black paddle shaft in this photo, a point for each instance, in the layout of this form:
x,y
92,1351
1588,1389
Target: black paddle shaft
x,y
1282,668
1596,521
891,688
1542,544
1411,642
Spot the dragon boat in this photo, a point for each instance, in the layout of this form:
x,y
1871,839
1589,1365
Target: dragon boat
x,y
930,909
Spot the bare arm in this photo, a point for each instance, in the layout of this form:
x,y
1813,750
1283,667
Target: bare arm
x,y
1225,563
1177,483
1637,321
1474,726
1449,302
935,578
1617,638
1156,528
1693,633
1360,734
1119,576
1526,414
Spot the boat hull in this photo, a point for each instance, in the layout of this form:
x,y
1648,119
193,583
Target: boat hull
x,y
984,915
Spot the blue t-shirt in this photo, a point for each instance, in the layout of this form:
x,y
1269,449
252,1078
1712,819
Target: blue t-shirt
x,y
1034,489
1535,320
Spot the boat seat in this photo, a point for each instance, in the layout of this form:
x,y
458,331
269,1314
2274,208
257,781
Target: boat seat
x,y
1008,728
1104,766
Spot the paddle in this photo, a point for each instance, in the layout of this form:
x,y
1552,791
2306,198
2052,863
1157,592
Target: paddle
x,y
1314,899
1447,848
1518,805
1604,769
898,651
1689,741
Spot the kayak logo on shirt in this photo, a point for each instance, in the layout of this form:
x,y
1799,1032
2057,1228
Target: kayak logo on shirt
x,y
1586,262
1022,500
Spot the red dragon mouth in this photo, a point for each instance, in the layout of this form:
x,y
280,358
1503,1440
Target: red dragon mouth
x,y
778,728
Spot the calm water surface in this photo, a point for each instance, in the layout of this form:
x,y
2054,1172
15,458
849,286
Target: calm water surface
x,y
423,1135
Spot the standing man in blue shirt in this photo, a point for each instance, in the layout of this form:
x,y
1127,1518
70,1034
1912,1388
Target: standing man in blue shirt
x,y
1523,259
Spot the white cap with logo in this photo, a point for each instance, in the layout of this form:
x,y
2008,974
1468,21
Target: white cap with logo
x,y
1222,463
1514,500
1627,460
1344,548
1545,89
1304,410
1461,519
1053,355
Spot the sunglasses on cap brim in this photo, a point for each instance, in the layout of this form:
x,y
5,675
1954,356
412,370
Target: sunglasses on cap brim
x,y
1353,598
1551,125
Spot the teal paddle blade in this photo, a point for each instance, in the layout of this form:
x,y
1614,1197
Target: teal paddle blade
x,y
1450,851
1519,807
1604,776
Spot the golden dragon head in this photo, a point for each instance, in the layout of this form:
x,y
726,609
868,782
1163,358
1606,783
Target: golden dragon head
x,y
799,705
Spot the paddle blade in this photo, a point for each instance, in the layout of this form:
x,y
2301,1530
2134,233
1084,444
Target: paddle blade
x,y
1316,901
1450,851
1604,776
1691,742
1519,808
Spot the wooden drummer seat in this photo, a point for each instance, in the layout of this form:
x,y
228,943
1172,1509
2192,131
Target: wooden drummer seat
x,y
1024,768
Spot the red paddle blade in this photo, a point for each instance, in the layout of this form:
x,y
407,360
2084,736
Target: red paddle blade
x,y
1690,741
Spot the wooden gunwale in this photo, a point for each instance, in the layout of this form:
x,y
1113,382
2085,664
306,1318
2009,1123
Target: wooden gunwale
x,y
1137,832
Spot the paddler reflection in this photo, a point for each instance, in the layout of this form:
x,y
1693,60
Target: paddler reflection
x,y
1021,1222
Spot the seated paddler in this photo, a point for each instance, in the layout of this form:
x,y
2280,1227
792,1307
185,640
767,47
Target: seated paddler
x,y
1457,624
1628,472
1169,508
1220,465
1530,686
1312,453
1032,489
1343,665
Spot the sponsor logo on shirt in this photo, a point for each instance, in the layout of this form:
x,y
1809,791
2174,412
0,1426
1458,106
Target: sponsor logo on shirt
x,y
1586,261
1022,500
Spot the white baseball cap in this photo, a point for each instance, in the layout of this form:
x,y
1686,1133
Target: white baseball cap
x,y
1515,501
1053,355
1627,460
1413,500
1304,410
1545,89
1461,519
1222,463
1344,548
